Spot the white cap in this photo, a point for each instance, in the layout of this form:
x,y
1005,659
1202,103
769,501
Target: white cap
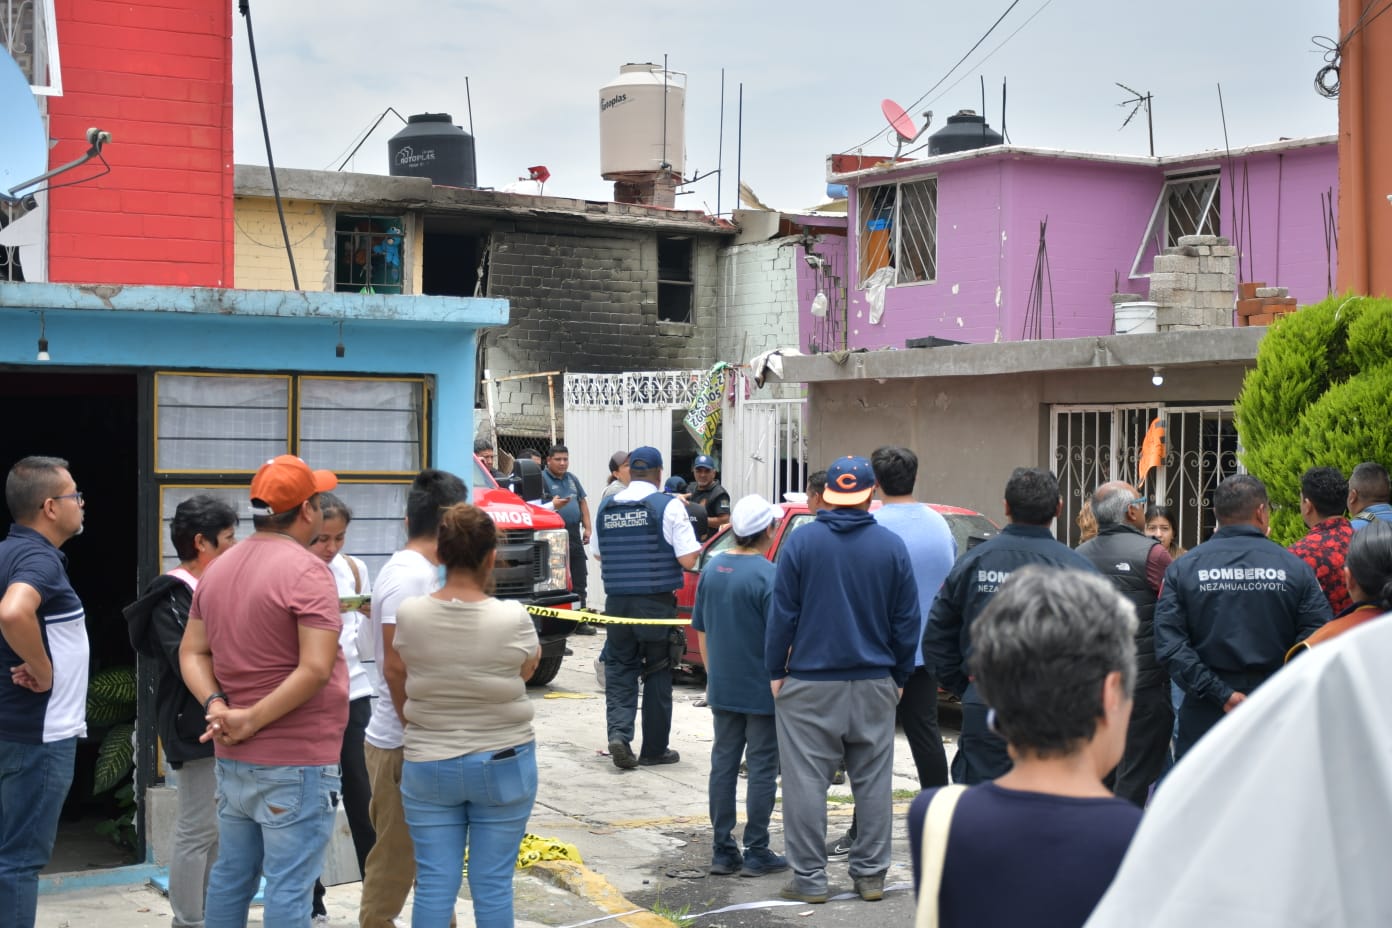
x,y
752,514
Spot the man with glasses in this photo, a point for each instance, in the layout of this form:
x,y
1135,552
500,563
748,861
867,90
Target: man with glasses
x,y
1136,564
1231,608
43,693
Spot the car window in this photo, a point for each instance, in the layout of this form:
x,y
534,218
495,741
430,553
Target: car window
x,y
796,522
723,542
966,527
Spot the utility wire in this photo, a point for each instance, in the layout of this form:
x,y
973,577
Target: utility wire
x,y
984,37
953,86
368,134
245,7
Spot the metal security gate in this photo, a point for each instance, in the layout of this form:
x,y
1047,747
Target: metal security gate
x,y
1095,444
765,447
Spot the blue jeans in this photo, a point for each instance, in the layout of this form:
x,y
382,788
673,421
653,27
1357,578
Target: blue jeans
x,y
734,733
34,781
274,821
479,801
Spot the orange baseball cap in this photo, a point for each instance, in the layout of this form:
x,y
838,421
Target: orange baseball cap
x,y
285,482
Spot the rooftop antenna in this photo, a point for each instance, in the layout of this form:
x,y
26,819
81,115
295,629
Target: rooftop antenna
x,y
1138,101
903,125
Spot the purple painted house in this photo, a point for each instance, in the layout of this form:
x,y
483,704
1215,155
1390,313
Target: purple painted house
x,y
949,245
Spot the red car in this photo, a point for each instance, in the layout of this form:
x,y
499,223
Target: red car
x,y
968,528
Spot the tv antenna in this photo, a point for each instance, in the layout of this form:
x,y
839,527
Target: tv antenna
x,y
1138,101
903,125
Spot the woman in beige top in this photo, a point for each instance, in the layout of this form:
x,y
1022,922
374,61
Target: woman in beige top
x,y
470,773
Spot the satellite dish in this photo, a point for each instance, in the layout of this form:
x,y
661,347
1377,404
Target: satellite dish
x,y
901,121
903,124
23,142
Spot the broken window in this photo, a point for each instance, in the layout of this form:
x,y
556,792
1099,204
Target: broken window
x,y
1189,204
368,253
898,228
28,30
675,284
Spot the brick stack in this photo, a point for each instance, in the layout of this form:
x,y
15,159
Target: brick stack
x,y
1259,304
1192,284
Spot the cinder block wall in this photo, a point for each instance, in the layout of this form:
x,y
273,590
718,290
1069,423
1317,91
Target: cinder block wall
x,y
588,302
758,299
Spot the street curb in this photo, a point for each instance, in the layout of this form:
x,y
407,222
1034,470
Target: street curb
x,y
598,891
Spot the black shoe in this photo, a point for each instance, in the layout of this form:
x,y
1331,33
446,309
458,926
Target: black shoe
x,y
840,849
726,867
622,755
668,756
585,628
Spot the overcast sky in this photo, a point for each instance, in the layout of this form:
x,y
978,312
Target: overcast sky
x,y
814,74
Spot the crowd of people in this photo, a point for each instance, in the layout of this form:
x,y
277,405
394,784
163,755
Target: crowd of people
x,y
289,681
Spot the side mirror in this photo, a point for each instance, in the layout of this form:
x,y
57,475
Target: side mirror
x,y
526,480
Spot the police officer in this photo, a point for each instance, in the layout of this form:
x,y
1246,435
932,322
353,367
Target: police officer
x,y
706,491
1031,503
1230,610
1136,564
645,539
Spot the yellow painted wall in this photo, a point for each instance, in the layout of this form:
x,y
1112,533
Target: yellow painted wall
x,y
261,263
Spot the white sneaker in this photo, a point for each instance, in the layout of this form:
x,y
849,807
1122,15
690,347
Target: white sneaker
x,y
320,921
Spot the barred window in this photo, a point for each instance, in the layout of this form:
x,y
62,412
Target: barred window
x,y
29,32
1189,204
361,425
368,253
899,230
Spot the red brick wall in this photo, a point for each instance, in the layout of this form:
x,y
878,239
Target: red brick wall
x,y
157,75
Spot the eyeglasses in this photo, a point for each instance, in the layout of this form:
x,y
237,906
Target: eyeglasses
x,y
1138,501
77,496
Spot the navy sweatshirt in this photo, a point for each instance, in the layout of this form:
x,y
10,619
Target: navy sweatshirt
x,y
845,604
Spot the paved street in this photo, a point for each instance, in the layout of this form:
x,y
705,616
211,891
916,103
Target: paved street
x,y
647,830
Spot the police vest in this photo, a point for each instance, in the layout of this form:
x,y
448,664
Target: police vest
x,y
1120,553
635,558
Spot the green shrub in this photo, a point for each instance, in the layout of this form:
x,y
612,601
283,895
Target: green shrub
x,y
1320,395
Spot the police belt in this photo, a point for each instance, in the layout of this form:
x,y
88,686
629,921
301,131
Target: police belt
x,y
596,618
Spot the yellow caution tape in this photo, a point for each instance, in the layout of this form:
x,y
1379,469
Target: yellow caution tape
x,y
557,694
536,848
596,618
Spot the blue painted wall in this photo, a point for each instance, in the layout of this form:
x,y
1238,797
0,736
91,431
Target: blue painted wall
x,y
184,328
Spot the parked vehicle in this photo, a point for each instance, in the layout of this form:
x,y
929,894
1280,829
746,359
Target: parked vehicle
x,y
533,564
968,528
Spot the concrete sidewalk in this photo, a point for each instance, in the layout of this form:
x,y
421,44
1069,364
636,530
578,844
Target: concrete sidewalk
x,y
539,904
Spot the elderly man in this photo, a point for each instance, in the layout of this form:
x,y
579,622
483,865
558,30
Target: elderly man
x,y
839,650
260,653
43,692
1136,564
1230,610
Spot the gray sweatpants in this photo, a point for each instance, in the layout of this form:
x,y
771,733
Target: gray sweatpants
x,y
195,841
819,723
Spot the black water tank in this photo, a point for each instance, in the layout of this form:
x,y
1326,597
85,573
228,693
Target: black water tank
x,y
963,132
432,146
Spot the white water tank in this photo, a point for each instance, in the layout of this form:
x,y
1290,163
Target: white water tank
x,y
631,137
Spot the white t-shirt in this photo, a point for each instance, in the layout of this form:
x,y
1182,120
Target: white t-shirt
x,y
676,527
359,677
407,574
